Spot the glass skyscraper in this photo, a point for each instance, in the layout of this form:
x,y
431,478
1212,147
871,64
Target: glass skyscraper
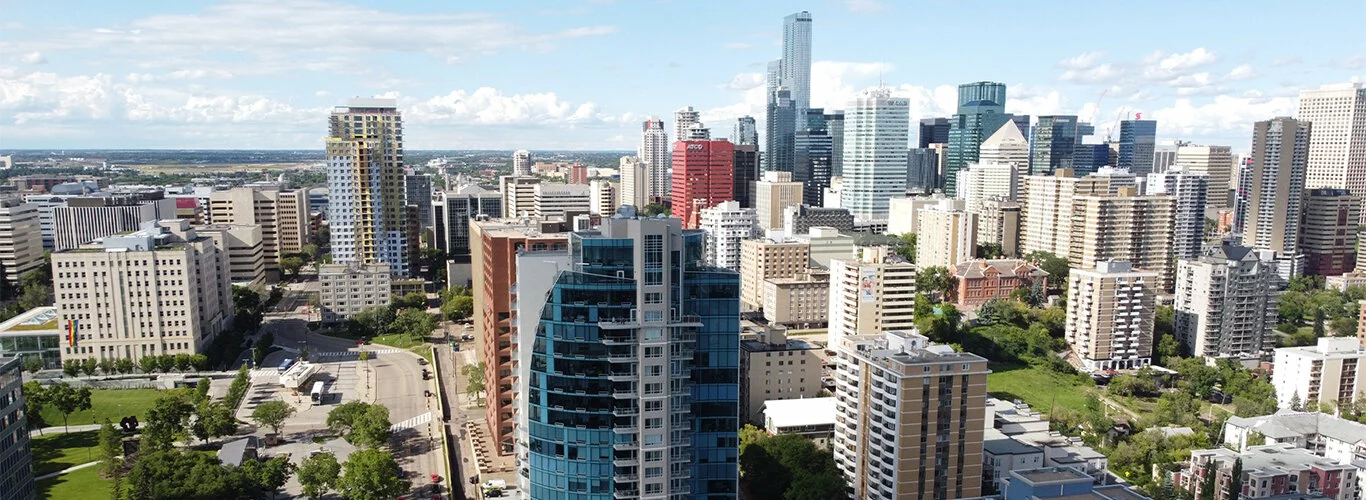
x,y
782,125
981,91
1055,143
1137,142
632,385
814,152
934,131
981,111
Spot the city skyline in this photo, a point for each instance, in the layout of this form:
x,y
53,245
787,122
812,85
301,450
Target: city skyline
x,y
246,74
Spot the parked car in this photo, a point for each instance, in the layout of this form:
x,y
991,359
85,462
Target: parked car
x,y
422,361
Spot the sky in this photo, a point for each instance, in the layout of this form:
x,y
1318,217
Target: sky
x,y
582,75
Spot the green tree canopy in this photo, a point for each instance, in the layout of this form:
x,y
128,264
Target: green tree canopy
x,y
372,475
318,474
272,414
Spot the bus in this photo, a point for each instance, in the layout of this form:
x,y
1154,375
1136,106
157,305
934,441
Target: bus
x,y
317,393
284,365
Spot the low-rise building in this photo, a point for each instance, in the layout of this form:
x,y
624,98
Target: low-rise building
x,y
981,280
1329,372
775,367
1028,429
811,418
1268,471
34,332
1062,483
1332,437
799,301
348,289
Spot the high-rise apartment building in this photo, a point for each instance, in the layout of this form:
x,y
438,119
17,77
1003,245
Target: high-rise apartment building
x,y
1126,227
746,173
703,176
799,219
1046,206
1280,148
1333,371
981,112
781,125
987,181
813,156
16,459
655,153
1226,303
726,225
1137,141
635,185
904,212
877,128
773,194
775,368
21,241
764,259
1055,143
602,197
1337,148
948,235
909,417
348,289
635,394
365,185
164,289
796,65
521,163
870,292
282,215
998,223
684,119
746,132
418,192
1190,192
1110,311
834,123
797,302
556,200
495,246
1006,146
1216,162
1328,231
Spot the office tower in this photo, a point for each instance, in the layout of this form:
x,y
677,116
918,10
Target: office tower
x,y
21,242
1125,227
602,197
1338,115
348,289
986,181
781,127
1055,142
922,170
796,374
813,154
1006,146
1110,313
703,176
1090,158
774,193
799,219
16,460
909,416
557,200
933,131
1190,190
871,292
1333,371
634,182
364,181
660,349
1046,206
796,66
875,136
834,123
981,112
1226,303
1328,231
655,152
452,213
765,259
418,191
1137,140
684,119
1213,161
746,132
521,162
998,223
245,250
282,215
746,173
495,245
1280,148
84,219
904,212
184,274
948,235
519,195
726,225
1163,158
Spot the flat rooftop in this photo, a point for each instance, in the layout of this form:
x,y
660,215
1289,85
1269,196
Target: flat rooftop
x,y
36,320
1053,475
783,413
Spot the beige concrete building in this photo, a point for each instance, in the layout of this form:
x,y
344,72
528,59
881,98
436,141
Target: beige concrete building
x,y
519,195
1216,162
827,244
871,292
1046,205
1280,148
282,215
775,367
348,289
909,417
998,223
159,290
245,249
1110,313
801,301
1335,158
903,213
772,194
764,259
948,235
1127,227
21,240
1333,371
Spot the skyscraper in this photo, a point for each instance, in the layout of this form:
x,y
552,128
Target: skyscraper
x,y
684,119
981,112
1055,144
1280,148
1328,230
812,159
1006,146
703,176
418,191
1336,157
365,185
635,394
1190,191
981,91
521,162
877,128
796,67
1137,140
1226,303
634,182
1213,161
834,123
871,291
746,173
1125,227
782,127
933,131
746,132
922,169
948,234
655,152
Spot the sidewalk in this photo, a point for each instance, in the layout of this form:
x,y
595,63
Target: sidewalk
x,y
66,470
75,428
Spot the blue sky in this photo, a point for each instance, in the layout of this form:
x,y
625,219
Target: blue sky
x,y
583,74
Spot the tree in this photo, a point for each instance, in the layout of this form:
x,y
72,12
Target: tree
x,y
182,362
290,266
1343,327
89,365
372,475
35,398
272,414
107,366
32,364
413,300
212,420
165,363
201,390
1208,481
1292,306
111,446
474,379
989,250
71,367
166,422
361,423
173,474
375,320
124,365
318,474
907,248
416,324
1057,268
268,475
199,362
936,280
1235,484
458,308
654,209
309,250
790,467
68,400
37,295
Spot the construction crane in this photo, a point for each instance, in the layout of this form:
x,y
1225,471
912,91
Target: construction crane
x,y
1110,131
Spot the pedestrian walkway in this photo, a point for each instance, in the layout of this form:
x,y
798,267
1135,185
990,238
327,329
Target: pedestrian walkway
x,y
336,354
66,470
412,422
74,428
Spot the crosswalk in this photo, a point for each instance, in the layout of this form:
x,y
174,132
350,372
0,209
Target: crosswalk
x,y
264,372
412,422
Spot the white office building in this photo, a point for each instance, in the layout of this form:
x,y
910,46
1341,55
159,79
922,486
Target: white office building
x,y
1337,146
1226,303
554,200
876,131
727,225
986,181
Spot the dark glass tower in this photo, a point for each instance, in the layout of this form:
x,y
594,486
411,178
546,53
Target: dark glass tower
x,y
814,156
975,121
1137,143
781,128
1055,143
934,131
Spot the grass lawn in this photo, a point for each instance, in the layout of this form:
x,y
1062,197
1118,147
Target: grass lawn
x,y
424,351
1036,386
54,452
396,340
113,404
84,483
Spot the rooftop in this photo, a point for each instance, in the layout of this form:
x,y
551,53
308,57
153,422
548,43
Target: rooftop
x,y
997,443
1275,459
38,319
1053,475
1287,424
784,413
791,345
1008,268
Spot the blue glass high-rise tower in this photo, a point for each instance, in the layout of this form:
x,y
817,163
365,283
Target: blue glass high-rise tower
x,y
1137,143
632,386
981,112
813,157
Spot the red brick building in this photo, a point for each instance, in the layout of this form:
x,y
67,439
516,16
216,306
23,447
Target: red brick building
x,y
703,176
980,280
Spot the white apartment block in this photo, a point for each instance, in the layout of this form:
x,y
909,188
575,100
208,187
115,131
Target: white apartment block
x,y
772,194
554,200
347,289
21,240
1191,193
876,131
1226,303
519,195
727,225
160,290
521,162
1330,372
948,235
871,292
1337,146
603,197
903,215
988,181
1110,313
655,153
1215,162
282,216
366,198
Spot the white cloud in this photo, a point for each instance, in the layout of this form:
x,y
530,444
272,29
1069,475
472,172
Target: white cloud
x,y
833,83
34,57
1286,61
489,106
865,6
738,46
1085,60
1225,116
1242,72
1164,67
1104,73
746,81
1355,62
